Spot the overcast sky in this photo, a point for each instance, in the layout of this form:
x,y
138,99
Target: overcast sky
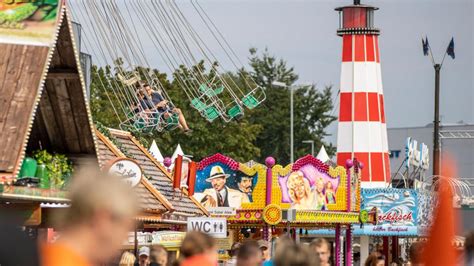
x,y
304,34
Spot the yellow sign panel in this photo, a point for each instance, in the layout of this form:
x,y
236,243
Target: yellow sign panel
x,y
326,217
224,243
168,239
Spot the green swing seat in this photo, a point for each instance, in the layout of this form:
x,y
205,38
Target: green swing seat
x,y
211,92
172,122
209,112
250,101
198,104
235,111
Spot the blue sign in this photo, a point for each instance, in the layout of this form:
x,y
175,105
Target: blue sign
x,y
397,212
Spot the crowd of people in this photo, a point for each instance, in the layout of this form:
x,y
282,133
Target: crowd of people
x,y
102,211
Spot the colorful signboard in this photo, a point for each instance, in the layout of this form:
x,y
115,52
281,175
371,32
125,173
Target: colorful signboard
x,y
397,211
310,190
30,22
313,185
223,183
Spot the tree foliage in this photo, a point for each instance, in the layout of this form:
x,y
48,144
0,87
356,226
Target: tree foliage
x,y
312,109
262,132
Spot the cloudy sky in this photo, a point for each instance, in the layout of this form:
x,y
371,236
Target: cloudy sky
x,y
304,34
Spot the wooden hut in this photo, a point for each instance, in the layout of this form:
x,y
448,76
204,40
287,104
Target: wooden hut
x,y
43,105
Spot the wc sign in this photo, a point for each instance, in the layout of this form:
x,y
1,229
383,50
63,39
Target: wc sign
x,y
216,227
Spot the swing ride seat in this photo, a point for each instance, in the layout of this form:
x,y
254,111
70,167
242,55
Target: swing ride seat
x,y
171,122
211,113
209,92
198,104
254,98
250,101
235,111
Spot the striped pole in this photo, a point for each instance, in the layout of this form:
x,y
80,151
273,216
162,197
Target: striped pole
x,y
362,130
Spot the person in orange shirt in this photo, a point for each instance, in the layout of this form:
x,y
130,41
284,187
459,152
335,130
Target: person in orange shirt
x,y
198,249
96,224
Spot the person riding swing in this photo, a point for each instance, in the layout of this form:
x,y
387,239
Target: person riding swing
x,y
163,106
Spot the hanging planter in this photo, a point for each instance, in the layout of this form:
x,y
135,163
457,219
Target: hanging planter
x,y
53,170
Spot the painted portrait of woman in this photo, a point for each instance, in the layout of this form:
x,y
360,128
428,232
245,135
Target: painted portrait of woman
x,y
320,197
330,194
300,191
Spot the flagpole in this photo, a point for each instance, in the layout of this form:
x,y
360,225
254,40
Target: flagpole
x,y
436,154
436,122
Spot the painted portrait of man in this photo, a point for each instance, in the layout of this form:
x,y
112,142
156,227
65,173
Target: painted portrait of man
x,y
220,195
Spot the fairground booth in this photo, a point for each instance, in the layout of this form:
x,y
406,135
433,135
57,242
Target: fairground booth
x,y
267,201
45,124
165,210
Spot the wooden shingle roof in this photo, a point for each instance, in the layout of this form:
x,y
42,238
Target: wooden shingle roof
x,y
145,191
157,175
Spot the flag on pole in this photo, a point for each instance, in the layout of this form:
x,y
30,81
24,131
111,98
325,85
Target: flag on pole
x,y
426,45
450,49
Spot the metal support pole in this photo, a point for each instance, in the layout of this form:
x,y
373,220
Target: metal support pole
x,y
337,253
436,153
395,249
291,122
348,261
385,249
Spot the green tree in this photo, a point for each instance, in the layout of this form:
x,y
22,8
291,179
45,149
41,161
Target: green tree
x,y
262,132
235,139
312,109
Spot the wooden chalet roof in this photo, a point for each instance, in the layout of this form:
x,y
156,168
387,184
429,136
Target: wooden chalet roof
x,y
145,191
157,175
43,100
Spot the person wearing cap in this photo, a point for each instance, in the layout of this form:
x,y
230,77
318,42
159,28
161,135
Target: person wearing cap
x,y
143,256
221,195
265,248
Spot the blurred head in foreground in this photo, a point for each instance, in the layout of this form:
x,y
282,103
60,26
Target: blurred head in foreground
x,y
198,248
127,259
249,254
375,259
295,255
322,248
98,220
158,256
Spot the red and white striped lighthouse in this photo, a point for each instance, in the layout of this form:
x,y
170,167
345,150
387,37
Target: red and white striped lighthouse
x,y
362,131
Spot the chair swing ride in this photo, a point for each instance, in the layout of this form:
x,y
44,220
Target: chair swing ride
x,y
116,40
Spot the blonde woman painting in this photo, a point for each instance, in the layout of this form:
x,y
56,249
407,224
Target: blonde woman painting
x,y
330,194
300,191
320,197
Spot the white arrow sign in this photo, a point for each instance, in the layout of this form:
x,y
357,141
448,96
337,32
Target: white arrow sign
x,y
216,227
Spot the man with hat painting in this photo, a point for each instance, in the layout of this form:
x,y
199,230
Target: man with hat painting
x,y
221,195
